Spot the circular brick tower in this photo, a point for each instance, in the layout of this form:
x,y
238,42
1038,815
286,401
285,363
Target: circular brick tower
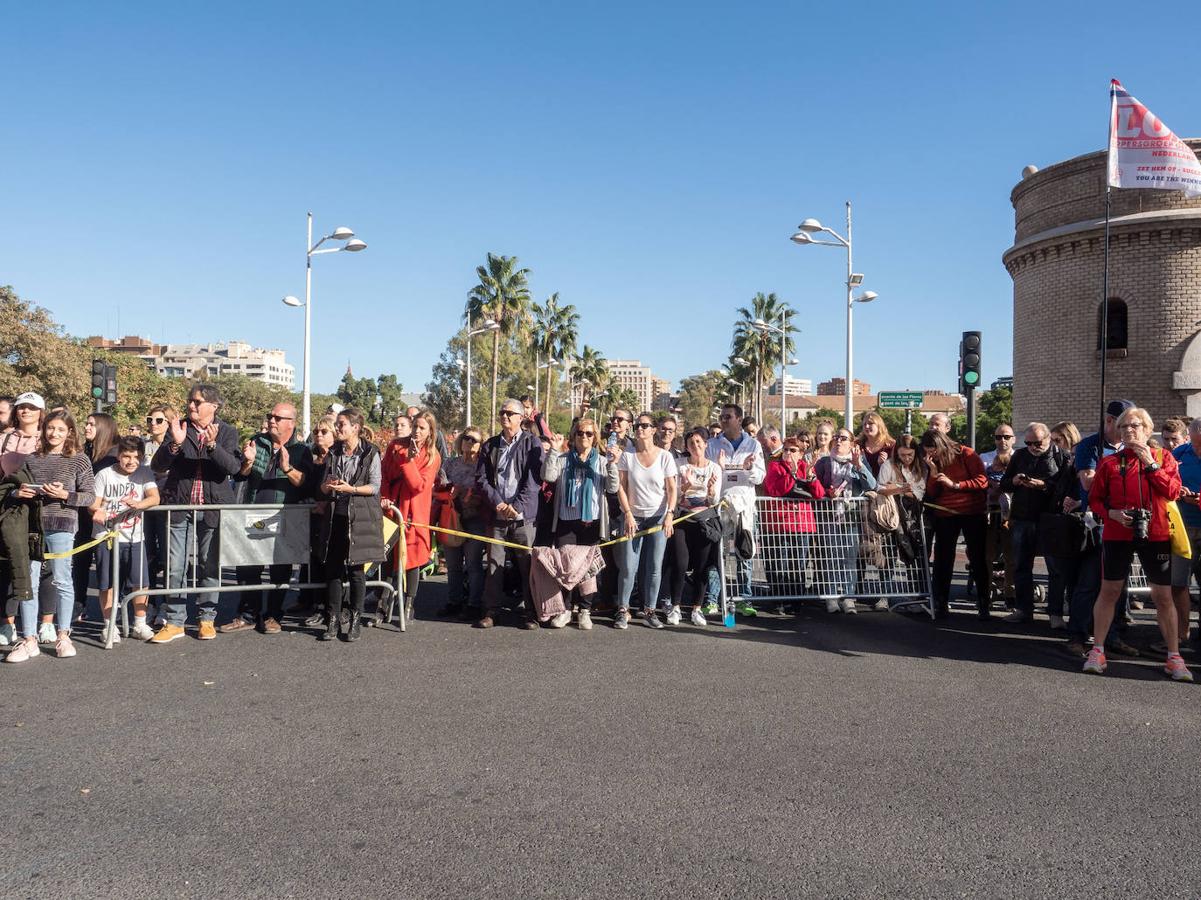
x,y
1056,263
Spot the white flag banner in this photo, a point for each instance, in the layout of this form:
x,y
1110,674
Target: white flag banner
x,y
1143,151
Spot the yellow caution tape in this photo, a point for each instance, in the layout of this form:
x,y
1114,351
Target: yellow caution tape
x,y
107,536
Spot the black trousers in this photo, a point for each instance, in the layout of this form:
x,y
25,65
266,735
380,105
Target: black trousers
x,y
250,603
336,569
690,549
947,529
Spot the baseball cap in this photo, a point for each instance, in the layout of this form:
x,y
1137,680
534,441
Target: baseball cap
x,y
29,398
1117,407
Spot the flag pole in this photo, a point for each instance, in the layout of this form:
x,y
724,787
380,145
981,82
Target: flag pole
x,y
1113,111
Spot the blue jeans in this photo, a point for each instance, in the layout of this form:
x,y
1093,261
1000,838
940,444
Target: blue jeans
x,y
183,527
644,556
465,569
53,585
1023,542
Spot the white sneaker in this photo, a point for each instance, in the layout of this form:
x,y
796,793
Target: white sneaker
x,y
116,634
881,605
63,648
47,633
142,632
583,620
697,618
27,648
673,616
8,634
848,605
832,605
558,621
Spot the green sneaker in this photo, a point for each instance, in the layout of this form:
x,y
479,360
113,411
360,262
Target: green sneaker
x,y
744,608
709,609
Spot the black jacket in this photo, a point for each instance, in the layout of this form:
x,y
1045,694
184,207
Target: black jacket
x,y
217,464
1028,504
364,519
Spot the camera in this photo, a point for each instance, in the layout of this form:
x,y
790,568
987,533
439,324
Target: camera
x,y
1140,521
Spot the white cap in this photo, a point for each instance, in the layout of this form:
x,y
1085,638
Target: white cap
x,y
29,398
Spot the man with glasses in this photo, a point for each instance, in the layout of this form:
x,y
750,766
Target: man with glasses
x,y
198,457
665,435
740,457
509,477
998,545
1030,477
274,468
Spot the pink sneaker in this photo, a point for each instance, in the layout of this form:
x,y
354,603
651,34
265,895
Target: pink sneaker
x,y
1175,669
63,648
27,648
1095,664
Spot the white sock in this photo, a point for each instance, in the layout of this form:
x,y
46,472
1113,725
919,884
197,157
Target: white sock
x,y
139,620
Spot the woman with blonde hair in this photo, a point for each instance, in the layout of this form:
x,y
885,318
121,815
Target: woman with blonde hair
x,y
823,435
875,441
1063,561
408,485
1130,494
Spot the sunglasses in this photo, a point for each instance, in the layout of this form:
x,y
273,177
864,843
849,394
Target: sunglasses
x,y
508,412
842,437
196,401
644,425
587,434
619,419
155,420
274,418
1003,437
469,440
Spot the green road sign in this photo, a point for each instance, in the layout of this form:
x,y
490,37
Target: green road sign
x,y
900,399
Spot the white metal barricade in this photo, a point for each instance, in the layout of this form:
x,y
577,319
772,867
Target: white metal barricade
x,y
820,549
263,534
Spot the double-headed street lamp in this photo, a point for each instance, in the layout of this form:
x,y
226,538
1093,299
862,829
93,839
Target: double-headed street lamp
x,y
808,228
488,325
353,245
538,366
782,330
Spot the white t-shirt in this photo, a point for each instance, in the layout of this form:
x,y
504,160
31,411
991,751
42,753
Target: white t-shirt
x,y
647,485
699,485
112,486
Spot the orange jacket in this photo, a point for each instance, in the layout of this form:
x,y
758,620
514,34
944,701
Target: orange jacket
x,y
409,483
971,486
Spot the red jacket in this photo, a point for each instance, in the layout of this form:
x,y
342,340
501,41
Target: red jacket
x,y
971,487
409,483
1117,486
793,516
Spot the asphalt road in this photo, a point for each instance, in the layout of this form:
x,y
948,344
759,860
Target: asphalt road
x,y
826,756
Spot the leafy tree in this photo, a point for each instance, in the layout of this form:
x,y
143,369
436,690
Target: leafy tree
x,y
503,295
993,407
895,420
246,401
825,412
358,392
699,394
36,355
592,370
555,332
761,347
389,390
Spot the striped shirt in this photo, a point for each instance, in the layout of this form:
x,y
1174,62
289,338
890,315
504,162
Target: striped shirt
x,y
75,473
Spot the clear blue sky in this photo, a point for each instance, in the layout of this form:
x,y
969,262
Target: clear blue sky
x,y
647,161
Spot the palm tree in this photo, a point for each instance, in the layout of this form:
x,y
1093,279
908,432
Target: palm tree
x,y
615,396
503,295
761,347
592,371
556,329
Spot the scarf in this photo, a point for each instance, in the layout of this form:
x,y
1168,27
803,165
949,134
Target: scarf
x,y
583,484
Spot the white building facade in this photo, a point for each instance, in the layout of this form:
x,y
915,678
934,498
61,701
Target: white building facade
x,y
227,358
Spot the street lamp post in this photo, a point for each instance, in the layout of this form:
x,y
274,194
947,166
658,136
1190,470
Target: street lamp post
x,y
538,366
353,245
782,330
488,325
805,236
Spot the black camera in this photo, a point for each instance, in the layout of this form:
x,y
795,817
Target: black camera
x,y
1140,522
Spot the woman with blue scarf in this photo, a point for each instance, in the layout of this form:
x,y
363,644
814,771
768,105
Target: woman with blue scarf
x,y
582,476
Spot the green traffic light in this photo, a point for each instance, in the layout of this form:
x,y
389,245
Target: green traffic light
x,y
971,377
97,392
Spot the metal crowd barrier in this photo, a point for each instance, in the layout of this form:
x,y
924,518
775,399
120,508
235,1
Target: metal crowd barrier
x,y
248,534
812,550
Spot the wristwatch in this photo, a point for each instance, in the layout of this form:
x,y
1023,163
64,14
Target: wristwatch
x,y
1154,467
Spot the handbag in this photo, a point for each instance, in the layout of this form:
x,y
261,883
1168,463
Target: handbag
x,y
1062,534
1180,542
448,517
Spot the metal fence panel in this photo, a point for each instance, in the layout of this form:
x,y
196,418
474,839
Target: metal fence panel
x,y
252,537
819,549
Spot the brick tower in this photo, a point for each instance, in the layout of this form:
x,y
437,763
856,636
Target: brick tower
x,y
1056,263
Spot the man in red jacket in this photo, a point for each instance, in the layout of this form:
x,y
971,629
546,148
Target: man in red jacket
x,y
1130,494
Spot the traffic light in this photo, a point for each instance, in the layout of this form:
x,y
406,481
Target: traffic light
x,y
98,372
110,385
969,361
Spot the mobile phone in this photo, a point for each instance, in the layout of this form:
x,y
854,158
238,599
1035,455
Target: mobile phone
x,y
40,488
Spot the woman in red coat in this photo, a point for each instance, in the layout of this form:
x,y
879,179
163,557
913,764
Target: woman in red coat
x,y
409,474
1130,495
788,523
956,488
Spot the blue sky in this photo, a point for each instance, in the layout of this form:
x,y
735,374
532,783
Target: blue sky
x,y
646,161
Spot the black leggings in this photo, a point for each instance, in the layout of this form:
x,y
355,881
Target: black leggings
x,y
412,582
336,568
946,536
690,549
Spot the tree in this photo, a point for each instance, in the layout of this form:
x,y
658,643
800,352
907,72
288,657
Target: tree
x,y
592,371
389,390
358,392
699,394
503,295
613,397
824,412
993,407
895,420
246,401
760,347
36,355
556,330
